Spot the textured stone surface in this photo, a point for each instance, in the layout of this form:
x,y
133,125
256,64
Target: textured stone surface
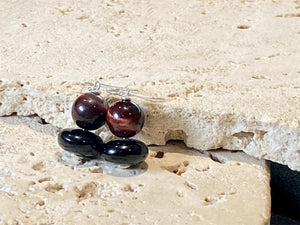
x,y
41,185
228,69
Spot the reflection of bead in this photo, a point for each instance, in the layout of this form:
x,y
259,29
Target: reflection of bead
x,y
81,142
89,111
125,152
125,118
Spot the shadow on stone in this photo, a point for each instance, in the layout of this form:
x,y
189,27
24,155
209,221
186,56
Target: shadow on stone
x,y
285,191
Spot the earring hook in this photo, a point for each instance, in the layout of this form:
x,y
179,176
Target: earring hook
x,y
124,92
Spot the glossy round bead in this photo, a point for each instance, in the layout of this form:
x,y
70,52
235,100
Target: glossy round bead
x,y
81,142
125,152
89,111
125,118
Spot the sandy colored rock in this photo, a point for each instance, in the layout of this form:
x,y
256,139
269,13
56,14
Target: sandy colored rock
x,y
228,69
40,184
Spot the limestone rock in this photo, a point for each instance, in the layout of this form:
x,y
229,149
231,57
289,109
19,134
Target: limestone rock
x,y
228,69
41,184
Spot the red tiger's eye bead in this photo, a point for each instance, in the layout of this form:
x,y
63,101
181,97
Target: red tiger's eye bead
x,y
89,111
125,118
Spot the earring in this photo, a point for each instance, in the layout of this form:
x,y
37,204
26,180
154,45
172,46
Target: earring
x,y
89,113
124,119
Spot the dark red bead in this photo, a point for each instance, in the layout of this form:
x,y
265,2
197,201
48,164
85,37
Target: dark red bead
x,y
89,111
125,118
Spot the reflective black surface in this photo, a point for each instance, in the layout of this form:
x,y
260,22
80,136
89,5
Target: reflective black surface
x,y
125,151
89,111
81,142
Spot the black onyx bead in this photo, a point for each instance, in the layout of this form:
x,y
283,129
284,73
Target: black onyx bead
x,y
89,111
125,118
125,152
81,142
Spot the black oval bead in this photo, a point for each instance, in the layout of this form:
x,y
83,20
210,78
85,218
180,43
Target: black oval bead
x,y
81,142
125,151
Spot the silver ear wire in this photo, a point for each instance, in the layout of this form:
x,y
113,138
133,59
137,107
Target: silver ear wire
x,y
95,88
147,97
125,93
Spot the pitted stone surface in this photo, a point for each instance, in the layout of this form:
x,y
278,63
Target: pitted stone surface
x,y
41,184
228,69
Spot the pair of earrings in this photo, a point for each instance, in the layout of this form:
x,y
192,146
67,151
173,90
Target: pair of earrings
x,y
124,119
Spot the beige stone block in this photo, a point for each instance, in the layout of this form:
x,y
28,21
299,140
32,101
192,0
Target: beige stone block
x,y
228,69
41,184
